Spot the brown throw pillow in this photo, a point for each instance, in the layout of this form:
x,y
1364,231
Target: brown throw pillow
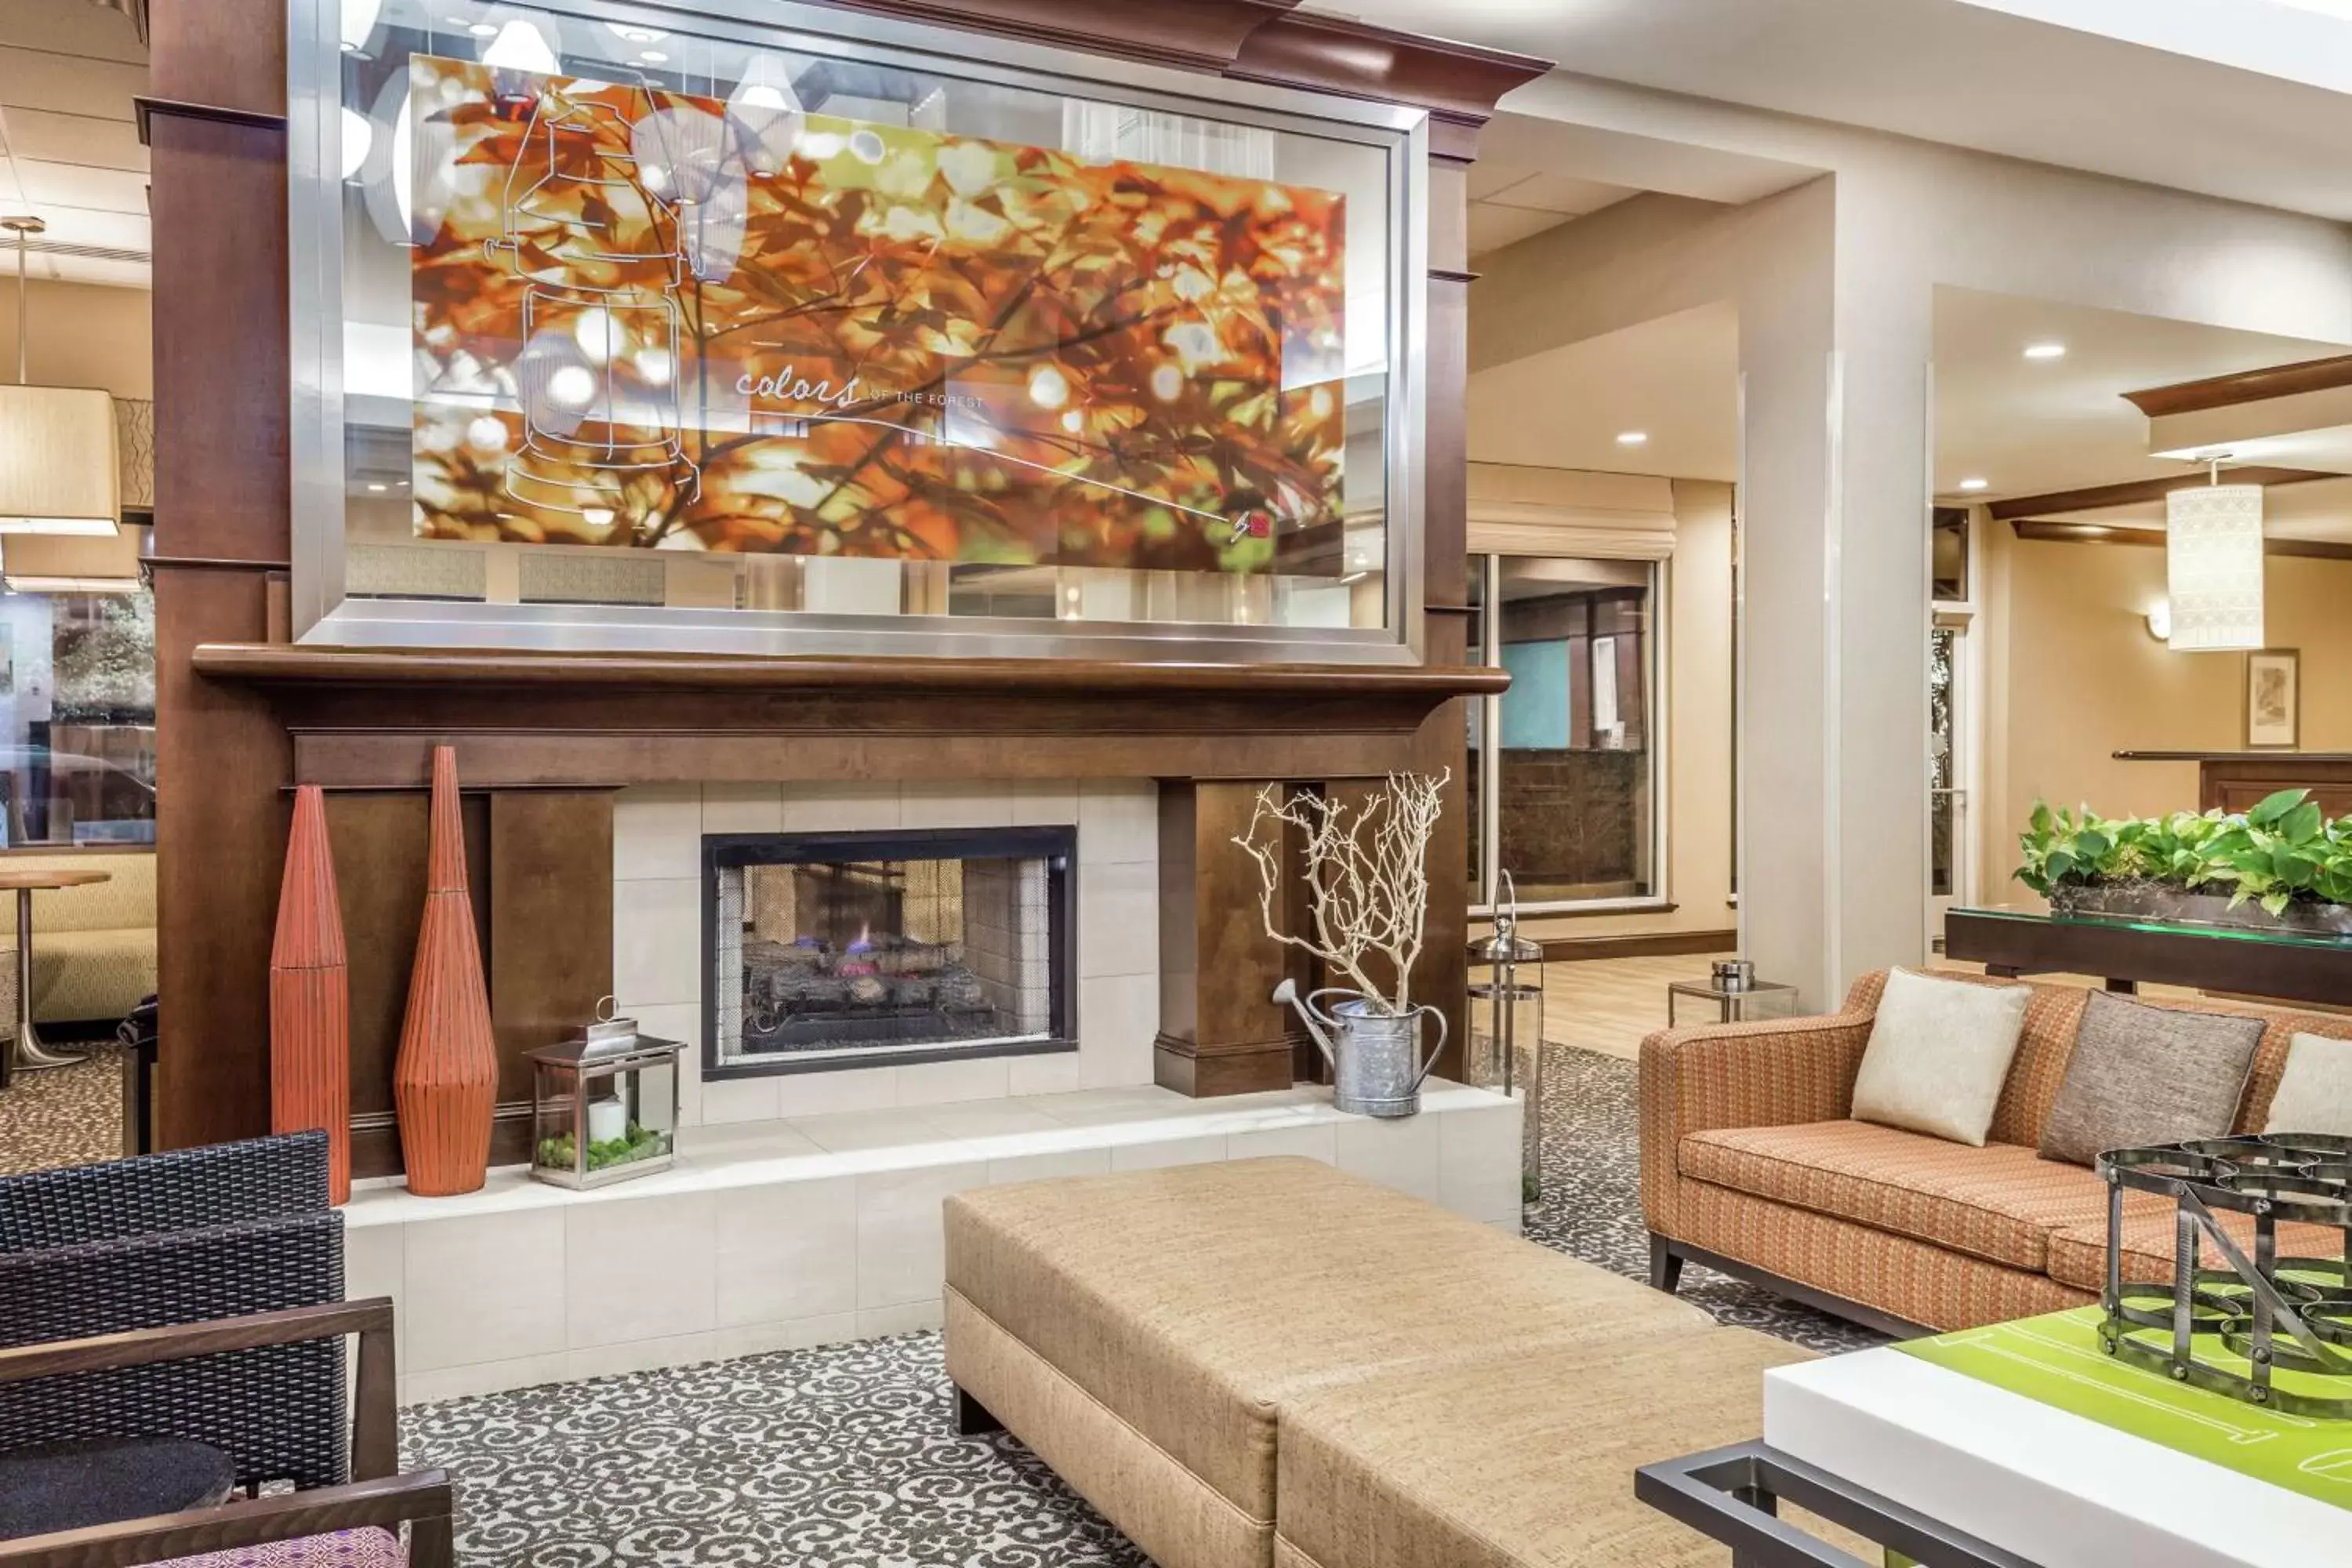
x,y
2149,1075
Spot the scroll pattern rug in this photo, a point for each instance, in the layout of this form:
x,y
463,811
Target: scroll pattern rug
x,y
844,1457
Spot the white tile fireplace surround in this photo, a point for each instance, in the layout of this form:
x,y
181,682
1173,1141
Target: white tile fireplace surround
x,y
658,962
804,1207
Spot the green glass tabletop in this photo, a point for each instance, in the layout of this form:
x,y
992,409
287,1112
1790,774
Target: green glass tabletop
x,y
2027,913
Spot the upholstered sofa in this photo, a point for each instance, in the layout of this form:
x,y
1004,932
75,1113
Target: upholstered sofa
x,y
94,946
1752,1164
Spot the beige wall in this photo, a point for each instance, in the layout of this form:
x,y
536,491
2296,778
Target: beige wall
x,y
2073,677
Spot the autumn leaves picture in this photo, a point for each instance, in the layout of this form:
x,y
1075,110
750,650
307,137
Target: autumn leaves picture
x,y
656,321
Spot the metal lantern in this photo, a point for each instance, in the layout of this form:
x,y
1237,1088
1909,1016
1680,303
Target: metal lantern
x,y
604,1106
1506,1025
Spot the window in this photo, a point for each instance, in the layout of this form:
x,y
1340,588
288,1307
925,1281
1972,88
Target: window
x,y
1566,766
77,689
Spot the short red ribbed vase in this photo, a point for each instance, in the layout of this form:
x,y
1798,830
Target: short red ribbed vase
x,y
310,996
445,1082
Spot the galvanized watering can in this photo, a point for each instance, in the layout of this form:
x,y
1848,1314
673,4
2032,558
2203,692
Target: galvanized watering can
x,y
1372,1054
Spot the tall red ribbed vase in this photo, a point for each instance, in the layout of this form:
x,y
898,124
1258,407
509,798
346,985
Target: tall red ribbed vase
x,y
310,996
445,1079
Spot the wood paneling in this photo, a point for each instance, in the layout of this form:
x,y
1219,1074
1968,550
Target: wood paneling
x,y
1654,944
1219,1031
550,926
2244,386
231,53
2153,537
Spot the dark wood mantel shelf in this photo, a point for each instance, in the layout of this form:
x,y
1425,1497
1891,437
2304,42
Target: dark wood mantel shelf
x,y
294,664
2274,758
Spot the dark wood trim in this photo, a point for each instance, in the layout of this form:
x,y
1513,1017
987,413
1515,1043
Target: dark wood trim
x,y
1646,945
2264,757
1207,1073
146,108
1450,275
1820,1300
211,564
2115,951
2046,532
183,1342
2139,492
278,664
2327,375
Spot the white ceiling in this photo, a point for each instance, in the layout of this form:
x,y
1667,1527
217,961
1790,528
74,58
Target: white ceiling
x,y
1979,75
69,149
1675,379
2033,427
1509,202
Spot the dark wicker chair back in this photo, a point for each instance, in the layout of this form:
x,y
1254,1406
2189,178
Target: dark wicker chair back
x,y
278,1410
184,1237
185,1189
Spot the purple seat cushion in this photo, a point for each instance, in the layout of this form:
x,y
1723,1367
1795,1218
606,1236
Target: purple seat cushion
x,y
364,1547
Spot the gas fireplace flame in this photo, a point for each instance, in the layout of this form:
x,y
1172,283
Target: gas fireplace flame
x,y
865,942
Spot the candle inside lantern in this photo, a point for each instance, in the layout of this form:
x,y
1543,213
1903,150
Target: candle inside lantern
x,y
608,1120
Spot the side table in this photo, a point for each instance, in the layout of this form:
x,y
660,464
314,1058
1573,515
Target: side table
x,y
26,1053
1734,1004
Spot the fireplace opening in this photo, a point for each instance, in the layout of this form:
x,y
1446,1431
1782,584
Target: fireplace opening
x,y
842,950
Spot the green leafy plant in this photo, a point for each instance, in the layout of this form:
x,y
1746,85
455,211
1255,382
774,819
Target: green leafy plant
x,y
2282,850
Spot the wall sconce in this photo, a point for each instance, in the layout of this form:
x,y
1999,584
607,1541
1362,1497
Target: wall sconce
x,y
2160,621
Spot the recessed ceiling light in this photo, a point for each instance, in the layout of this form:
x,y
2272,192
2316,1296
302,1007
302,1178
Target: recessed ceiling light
x,y
2046,350
1975,484
376,486
653,58
483,29
1632,438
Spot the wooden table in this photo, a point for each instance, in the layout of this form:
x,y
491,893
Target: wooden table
x,y
2281,967
26,1053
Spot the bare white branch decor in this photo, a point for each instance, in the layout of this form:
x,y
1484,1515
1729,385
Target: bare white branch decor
x,y
1367,872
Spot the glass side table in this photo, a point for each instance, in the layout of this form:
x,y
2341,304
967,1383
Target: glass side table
x,y
1732,1004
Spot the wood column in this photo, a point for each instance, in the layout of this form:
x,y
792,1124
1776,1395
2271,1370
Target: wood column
x,y
1219,1031
217,197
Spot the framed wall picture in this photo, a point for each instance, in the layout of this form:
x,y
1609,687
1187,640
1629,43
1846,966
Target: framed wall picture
x,y
2273,698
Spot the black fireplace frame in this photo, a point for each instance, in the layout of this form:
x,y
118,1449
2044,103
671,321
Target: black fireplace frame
x,y
1058,845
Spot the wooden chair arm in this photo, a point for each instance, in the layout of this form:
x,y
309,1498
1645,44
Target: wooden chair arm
x,y
375,1435
423,1502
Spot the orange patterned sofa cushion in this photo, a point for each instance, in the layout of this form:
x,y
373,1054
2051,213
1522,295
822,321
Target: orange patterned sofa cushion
x,y
1999,1202
2078,1253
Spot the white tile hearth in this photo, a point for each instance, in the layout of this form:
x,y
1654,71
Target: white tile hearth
x,y
785,1232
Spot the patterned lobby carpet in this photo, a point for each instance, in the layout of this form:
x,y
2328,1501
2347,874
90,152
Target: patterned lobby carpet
x,y
844,1457
65,1116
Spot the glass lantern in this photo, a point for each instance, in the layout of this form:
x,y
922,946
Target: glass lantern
x,y
1507,1025
604,1106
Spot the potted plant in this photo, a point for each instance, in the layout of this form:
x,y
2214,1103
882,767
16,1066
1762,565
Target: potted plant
x,y
2281,865
1367,871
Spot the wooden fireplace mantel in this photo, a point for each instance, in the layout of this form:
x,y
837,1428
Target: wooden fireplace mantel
x,y
1420,686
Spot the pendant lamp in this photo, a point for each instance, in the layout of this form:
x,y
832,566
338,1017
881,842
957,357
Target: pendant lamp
x,y
58,471
2213,565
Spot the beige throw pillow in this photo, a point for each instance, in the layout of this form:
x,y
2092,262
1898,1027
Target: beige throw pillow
x,y
1939,1053
2315,1092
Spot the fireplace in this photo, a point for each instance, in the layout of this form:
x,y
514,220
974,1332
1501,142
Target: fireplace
x,y
849,950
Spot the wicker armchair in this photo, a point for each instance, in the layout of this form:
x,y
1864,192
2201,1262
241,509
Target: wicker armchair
x,y
197,1296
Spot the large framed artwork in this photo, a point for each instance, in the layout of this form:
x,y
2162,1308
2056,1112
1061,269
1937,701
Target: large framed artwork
x,y
748,339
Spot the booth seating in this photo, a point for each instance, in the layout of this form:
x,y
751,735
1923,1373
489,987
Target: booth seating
x,y
93,947
1270,1360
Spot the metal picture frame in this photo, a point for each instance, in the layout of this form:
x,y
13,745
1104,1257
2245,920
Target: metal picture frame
x,y
318,194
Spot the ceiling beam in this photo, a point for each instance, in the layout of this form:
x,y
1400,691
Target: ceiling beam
x,y
2244,386
2102,534
2139,492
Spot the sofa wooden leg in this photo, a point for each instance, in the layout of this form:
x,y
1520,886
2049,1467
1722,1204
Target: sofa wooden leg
x,y
972,1419
1665,1265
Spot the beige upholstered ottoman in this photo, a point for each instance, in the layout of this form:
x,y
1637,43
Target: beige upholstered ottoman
x,y
1521,1461
1143,1332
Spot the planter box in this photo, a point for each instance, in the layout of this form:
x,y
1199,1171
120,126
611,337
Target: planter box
x,y
2157,901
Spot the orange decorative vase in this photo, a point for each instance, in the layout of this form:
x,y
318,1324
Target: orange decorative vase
x,y
310,996
445,1079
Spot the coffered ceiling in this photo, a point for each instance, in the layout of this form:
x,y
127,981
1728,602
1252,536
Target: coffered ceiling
x,y
70,152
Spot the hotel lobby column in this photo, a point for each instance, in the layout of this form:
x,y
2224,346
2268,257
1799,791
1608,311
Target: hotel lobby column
x,y
216,194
